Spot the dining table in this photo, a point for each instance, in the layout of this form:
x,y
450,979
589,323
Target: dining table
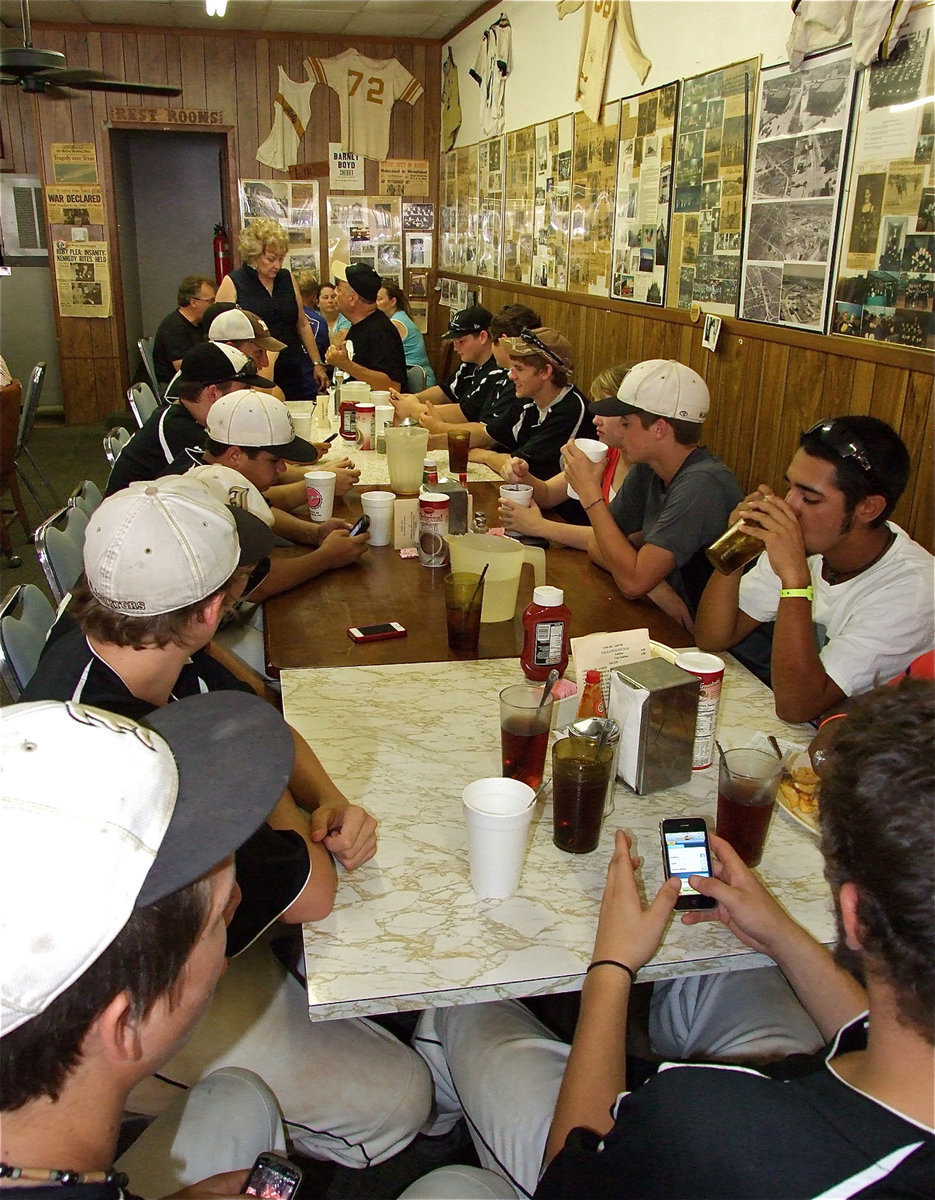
x,y
403,739
307,626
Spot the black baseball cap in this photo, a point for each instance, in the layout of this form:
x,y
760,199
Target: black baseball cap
x,y
469,320
216,362
362,278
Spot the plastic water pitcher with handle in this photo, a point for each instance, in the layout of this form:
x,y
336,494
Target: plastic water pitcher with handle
x,y
504,559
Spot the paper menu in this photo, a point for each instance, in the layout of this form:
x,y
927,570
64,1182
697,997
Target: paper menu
x,y
605,651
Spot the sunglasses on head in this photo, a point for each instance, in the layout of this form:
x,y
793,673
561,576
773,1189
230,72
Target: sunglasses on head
x,y
843,445
530,339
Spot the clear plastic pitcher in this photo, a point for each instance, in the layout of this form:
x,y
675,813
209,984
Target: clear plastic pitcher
x,y
473,551
405,453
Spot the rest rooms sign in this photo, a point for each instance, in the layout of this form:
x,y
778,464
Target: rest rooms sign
x,y
168,116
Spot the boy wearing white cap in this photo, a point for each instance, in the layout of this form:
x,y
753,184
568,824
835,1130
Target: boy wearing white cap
x,y
162,563
129,881
676,497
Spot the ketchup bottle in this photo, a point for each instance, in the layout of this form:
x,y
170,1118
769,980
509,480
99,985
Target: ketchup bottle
x,y
591,703
545,641
347,418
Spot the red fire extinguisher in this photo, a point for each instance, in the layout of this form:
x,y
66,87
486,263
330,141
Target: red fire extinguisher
x,y
222,254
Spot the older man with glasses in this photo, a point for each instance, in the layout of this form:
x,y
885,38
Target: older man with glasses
x,y
181,329
850,593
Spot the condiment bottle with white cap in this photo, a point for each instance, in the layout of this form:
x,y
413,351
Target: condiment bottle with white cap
x,y
546,623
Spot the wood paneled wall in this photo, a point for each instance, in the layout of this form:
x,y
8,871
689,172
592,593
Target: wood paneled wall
x,y
234,72
767,383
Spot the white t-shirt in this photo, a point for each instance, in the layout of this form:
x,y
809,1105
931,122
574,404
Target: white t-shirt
x,y
492,65
367,89
869,628
599,22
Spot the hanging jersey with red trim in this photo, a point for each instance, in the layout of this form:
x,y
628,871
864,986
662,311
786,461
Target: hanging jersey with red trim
x,y
600,18
492,65
367,89
291,108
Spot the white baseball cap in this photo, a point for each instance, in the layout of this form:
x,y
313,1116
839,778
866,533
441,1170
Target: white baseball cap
x,y
667,388
260,422
232,489
238,325
100,815
158,546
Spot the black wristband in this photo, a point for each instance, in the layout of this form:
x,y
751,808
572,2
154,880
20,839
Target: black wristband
x,y
612,962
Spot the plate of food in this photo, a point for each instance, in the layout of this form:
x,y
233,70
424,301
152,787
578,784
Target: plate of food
x,y
798,791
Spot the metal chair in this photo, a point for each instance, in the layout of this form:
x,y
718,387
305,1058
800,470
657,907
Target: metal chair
x,y
416,379
26,422
26,617
145,345
142,401
60,546
114,441
86,496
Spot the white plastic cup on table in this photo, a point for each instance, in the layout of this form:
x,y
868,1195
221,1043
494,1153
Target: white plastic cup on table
x,y
497,813
518,493
378,506
383,415
319,488
302,424
596,452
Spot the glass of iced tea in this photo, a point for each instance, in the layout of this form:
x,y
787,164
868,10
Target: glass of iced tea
x,y
524,731
746,794
459,444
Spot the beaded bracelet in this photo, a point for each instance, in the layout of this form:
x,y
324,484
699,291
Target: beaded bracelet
x,y
599,500
612,962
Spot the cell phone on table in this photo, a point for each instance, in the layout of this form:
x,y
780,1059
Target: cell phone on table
x,y
361,525
273,1176
331,438
685,852
376,633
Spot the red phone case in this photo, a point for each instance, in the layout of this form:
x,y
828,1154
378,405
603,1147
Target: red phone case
x,y
376,637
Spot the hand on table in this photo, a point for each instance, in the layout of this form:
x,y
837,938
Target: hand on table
x,y
348,831
407,404
524,520
743,903
515,471
769,518
430,420
626,931
346,474
341,549
583,475
329,526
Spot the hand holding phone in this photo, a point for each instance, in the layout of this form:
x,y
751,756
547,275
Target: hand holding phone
x,y
685,852
361,525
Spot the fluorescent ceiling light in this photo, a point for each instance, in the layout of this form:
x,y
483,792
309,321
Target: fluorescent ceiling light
x,y
216,8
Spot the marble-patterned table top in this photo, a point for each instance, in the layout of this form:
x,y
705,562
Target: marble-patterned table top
x,y
407,931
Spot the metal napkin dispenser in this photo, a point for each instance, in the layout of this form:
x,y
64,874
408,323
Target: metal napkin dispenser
x,y
655,703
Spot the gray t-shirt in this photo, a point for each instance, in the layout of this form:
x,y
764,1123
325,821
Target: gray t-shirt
x,y
683,518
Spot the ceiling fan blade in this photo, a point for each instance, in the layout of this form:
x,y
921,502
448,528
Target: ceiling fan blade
x,y
117,85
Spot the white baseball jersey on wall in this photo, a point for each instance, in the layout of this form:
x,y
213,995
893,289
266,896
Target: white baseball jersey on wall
x,y
491,67
291,109
367,89
600,18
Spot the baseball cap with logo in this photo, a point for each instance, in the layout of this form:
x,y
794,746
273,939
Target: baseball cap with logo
x,y
469,320
216,362
363,279
547,343
101,815
250,419
239,325
661,386
161,545
233,489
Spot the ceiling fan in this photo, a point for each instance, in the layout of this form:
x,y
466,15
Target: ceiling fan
x,y
44,72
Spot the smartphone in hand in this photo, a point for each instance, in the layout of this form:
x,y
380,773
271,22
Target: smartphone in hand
x,y
685,852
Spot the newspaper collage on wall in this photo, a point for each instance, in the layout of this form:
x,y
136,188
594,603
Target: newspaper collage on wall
x,y
78,234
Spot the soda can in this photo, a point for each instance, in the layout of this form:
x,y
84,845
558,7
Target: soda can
x,y
710,670
433,525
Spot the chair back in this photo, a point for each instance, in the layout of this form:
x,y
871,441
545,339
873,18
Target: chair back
x,y
10,422
142,401
26,617
416,378
114,442
146,353
30,406
59,547
86,496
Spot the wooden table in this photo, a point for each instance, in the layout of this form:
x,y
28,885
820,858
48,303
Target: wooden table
x,y
306,627
408,932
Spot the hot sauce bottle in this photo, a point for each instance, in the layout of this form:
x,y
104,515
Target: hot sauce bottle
x,y
545,642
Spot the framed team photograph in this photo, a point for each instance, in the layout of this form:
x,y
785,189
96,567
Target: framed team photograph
x,y
418,216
